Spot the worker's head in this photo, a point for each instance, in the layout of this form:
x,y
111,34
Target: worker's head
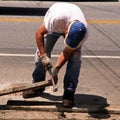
x,y
75,34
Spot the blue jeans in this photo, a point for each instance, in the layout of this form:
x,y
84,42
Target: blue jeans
x,y
72,69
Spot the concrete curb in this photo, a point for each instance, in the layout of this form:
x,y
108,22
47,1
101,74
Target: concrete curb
x,y
110,110
26,4
83,108
43,4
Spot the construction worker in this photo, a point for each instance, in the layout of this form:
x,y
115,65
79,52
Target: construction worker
x,y
67,20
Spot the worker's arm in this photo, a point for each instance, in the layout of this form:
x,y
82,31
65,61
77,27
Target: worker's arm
x,y
64,56
41,31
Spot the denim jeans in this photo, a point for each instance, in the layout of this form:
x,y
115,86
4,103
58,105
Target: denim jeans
x,y
72,69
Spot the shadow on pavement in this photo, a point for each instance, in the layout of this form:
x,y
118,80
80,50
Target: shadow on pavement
x,y
23,11
94,105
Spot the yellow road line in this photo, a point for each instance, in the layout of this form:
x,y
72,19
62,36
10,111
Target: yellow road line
x,y
20,19
103,21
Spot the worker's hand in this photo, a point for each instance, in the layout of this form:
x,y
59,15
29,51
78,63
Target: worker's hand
x,y
54,73
46,61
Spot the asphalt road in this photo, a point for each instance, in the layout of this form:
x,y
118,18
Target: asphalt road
x,y
99,80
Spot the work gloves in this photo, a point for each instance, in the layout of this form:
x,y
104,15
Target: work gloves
x,y
47,63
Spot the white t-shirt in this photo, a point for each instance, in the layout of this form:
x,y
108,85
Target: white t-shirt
x,y
61,14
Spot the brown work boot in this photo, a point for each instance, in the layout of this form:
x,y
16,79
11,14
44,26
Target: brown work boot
x,y
68,99
32,93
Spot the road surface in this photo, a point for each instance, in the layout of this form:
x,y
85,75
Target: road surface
x,y
99,81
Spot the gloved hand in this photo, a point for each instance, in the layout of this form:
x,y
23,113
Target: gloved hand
x,y
54,73
46,61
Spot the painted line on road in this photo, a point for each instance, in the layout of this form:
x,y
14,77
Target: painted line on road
x,y
103,21
16,55
103,57
21,19
55,56
18,19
